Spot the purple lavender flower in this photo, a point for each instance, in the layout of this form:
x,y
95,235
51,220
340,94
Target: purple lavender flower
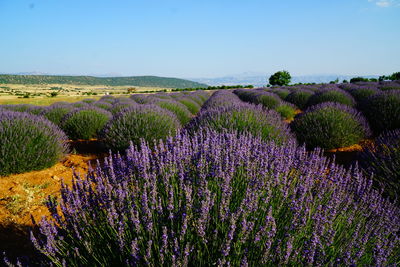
x,y
240,201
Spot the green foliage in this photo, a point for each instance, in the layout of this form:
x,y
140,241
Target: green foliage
x,y
56,113
381,161
361,79
337,96
382,110
286,111
395,76
53,94
144,81
180,110
146,122
192,106
28,143
85,123
328,128
269,101
280,78
252,119
335,81
299,98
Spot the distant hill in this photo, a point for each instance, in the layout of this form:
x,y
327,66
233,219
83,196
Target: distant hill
x,y
143,81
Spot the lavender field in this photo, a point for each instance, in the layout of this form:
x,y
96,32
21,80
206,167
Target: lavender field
x,y
242,177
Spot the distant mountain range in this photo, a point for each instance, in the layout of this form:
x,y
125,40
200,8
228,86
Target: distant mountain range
x,y
260,80
143,81
114,79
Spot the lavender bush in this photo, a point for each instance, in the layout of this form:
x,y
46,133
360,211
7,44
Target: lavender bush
x,y
282,93
286,110
361,93
85,123
89,100
299,97
18,107
56,112
191,105
36,110
222,98
149,122
80,104
28,142
180,110
331,95
330,125
383,111
103,105
220,199
392,85
203,95
244,118
382,161
119,106
267,99
139,98
107,98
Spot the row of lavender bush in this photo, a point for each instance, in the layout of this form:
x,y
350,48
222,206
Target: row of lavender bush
x,y
35,137
212,197
378,101
220,199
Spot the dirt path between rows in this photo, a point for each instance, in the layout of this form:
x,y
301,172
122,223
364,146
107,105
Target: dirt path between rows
x,y
22,199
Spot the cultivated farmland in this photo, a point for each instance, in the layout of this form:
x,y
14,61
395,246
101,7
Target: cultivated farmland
x,y
293,175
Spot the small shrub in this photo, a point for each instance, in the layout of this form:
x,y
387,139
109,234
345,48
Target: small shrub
x,y
244,118
85,123
36,110
360,94
192,106
220,199
139,98
222,98
282,93
385,86
330,125
267,99
299,98
89,100
28,143
102,105
382,111
118,107
149,122
332,95
107,98
80,104
18,107
179,109
286,110
382,162
55,113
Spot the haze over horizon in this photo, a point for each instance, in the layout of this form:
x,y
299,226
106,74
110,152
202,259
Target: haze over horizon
x,y
188,39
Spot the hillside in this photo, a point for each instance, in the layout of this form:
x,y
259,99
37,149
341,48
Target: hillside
x,y
144,81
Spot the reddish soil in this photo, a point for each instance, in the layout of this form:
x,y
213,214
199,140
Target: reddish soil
x,y
346,155
22,197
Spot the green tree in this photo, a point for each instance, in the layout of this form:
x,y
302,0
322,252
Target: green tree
x,y
395,76
280,78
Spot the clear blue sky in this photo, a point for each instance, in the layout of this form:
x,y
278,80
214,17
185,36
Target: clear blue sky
x,y
203,38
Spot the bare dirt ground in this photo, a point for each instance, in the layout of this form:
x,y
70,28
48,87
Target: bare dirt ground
x,y
22,198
